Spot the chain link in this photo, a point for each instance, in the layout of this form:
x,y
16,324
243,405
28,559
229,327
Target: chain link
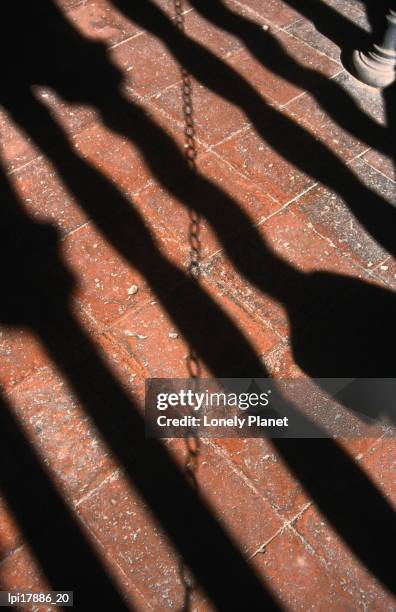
x,y
193,444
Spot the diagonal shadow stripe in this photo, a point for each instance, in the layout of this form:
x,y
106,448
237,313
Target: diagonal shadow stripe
x,y
53,533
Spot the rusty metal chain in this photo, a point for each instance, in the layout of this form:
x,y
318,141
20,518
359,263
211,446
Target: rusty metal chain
x,y
193,444
190,152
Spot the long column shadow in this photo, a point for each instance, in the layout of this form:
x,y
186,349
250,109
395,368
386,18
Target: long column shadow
x,y
53,534
362,345
338,28
280,132
85,183
360,546
337,103
36,290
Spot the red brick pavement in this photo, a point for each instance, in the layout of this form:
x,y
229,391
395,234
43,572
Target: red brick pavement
x,y
278,526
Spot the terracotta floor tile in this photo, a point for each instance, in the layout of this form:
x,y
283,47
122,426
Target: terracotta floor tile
x,y
267,168
381,163
113,156
137,540
217,223
331,217
309,113
16,149
66,5
99,20
290,238
247,195
314,29
267,82
54,420
150,66
280,362
298,578
217,40
362,115
21,355
44,196
215,119
378,463
147,64
310,296
261,463
386,271
276,11
21,572
154,339
108,285
125,528
172,231
72,117
235,511
366,591
305,30
368,99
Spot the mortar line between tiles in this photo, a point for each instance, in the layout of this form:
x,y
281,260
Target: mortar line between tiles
x,y
14,551
288,524
241,130
332,570
357,156
108,478
263,546
28,163
377,170
141,32
126,40
9,389
284,29
287,204
290,25
233,168
248,10
114,561
306,92
375,277
307,44
241,474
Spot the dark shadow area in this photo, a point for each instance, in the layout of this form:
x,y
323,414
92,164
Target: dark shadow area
x,y
37,288
332,24
268,50
53,534
80,71
337,27
375,12
389,95
277,130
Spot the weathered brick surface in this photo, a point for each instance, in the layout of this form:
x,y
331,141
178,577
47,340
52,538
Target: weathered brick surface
x,y
379,464
62,433
125,526
275,11
333,219
273,85
382,163
290,278
299,578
